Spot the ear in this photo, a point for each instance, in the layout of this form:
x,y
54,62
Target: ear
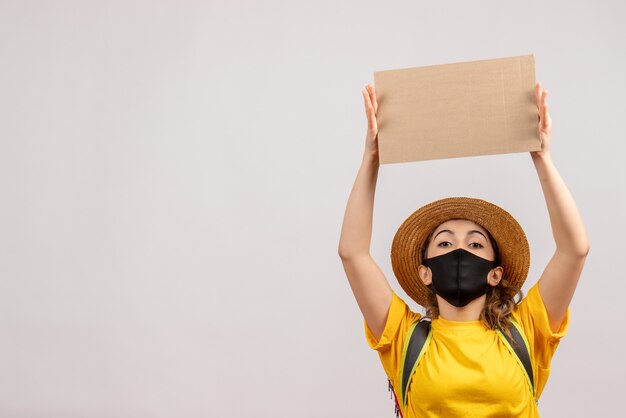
x,y
495,275
425,274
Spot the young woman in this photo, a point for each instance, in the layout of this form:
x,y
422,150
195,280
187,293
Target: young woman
x,y
465,261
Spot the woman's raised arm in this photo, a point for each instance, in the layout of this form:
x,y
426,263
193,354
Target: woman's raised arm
x,y
369,285
560,277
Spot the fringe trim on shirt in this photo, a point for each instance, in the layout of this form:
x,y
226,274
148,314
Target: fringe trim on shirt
x,y
397,410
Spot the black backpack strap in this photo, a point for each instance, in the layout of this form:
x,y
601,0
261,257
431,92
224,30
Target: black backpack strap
x,y
519,347
414,348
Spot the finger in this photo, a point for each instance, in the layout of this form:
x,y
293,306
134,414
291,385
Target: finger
x,y
368,88
366,98
369,110
545,117
373,97
544,109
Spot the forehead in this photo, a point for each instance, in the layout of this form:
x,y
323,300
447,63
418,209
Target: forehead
x,y
460,226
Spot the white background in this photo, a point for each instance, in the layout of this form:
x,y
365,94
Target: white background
x,y
173,178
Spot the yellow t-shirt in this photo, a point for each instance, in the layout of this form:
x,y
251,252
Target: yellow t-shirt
x,y
467,371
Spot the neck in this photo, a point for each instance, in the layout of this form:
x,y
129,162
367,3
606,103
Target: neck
x,y
469,312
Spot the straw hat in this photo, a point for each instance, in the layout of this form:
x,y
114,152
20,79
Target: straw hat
x,y
506,231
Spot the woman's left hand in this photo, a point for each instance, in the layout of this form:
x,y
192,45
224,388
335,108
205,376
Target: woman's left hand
x,y
544,122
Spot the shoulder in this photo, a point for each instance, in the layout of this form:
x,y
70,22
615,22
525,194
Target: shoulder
x,y
532,315
390,346
399,319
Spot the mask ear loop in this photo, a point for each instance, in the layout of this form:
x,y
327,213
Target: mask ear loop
x,y
425,263
423,257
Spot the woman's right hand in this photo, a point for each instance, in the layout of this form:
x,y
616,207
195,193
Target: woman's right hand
x,y
371,108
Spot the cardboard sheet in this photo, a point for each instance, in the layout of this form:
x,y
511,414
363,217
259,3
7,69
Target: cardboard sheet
x,y
457,110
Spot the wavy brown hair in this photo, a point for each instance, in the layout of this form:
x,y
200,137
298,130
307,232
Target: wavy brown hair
x,y
500,300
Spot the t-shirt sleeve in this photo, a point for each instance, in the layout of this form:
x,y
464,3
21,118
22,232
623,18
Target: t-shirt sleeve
x,y
533,317
391,342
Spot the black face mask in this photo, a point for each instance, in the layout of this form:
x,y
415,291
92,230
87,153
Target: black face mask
x,y
459,276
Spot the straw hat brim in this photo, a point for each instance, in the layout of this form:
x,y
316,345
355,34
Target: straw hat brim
x,y
506,231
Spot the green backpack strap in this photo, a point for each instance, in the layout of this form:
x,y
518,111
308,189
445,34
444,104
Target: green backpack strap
x,y
519,347
415,346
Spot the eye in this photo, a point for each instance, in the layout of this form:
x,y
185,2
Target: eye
x,y
479,245
443,242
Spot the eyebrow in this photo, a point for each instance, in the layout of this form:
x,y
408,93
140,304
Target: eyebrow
x,y
473,231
